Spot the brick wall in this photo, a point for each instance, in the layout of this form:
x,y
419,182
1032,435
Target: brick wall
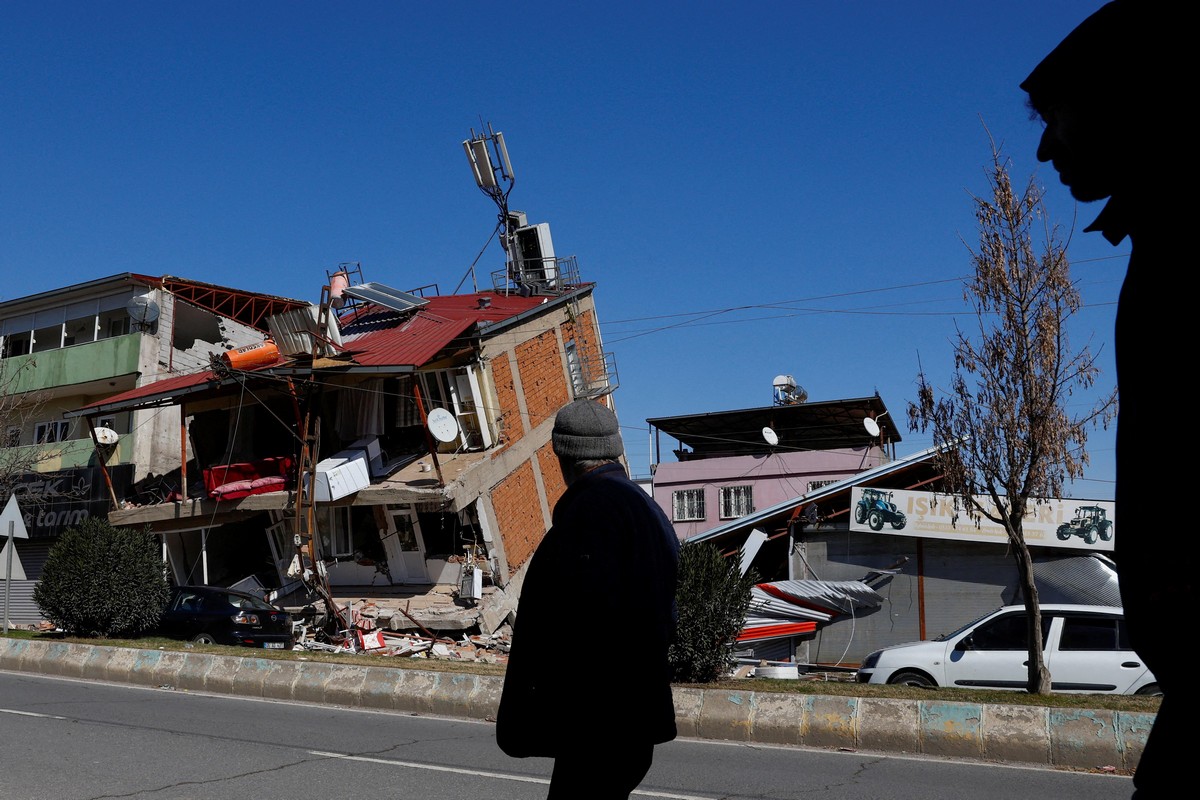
x,y
512,427
587,343
542,377
552,479
519,515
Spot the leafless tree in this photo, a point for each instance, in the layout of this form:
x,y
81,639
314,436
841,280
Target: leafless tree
x,y
1011,438
18,408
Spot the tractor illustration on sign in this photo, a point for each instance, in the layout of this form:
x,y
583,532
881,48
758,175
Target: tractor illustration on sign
x,y
1089,522
875,508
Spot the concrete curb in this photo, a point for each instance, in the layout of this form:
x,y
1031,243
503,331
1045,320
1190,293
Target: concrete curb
x,y
1063,738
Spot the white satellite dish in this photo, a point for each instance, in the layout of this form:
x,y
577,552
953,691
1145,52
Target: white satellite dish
x,y
871,425
442,425
106,436
142,310
771,437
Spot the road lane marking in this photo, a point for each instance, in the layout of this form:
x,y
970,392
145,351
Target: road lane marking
x,y
482,774
29,714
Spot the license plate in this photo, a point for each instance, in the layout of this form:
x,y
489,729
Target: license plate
x,y
273,645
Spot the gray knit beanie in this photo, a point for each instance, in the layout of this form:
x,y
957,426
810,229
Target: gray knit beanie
x,y
586,429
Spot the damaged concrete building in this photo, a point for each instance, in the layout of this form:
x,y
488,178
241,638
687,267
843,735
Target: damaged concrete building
x,y
69,347
395,442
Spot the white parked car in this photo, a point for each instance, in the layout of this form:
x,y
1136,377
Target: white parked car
x,y
1086,650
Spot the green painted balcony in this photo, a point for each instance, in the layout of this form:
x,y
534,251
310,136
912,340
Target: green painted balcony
x,y
80,363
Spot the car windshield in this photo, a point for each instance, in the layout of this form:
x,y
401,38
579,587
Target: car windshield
x,y
956,632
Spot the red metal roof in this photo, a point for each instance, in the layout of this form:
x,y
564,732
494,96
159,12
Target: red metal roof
x,y
372,337
387,338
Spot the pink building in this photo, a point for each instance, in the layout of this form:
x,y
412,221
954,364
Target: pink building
x,y
727,464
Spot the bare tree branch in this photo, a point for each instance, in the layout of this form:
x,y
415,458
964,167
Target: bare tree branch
x,y
1004,414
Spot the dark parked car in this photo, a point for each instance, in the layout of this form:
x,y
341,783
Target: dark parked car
x,y
213,615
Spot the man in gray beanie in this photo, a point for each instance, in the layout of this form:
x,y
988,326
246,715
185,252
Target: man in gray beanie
x,y
610,558
1106,95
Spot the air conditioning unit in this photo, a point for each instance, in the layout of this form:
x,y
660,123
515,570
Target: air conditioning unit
x,y
533,255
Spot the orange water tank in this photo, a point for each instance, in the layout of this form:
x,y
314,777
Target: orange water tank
x,y
251,356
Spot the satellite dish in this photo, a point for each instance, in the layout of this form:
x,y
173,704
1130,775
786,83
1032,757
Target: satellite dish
x,y
771,437
142,310
871,425
106,436
442,425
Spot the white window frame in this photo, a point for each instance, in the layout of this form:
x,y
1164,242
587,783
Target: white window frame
x,y
735,501
571,350
687,505
51,432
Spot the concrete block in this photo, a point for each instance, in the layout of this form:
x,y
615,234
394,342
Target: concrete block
x,y
451,696
221,677
11,652
193,675
96,666
687,710
777,718
158,667
414,691
889,725
1132,731
830,721
726,715
485,700
250,675
1016,733
379,688
310,683
279,682
119,667
1083,738
344,684
951,729
62,658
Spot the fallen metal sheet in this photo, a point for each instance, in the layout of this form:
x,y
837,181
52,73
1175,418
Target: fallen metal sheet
x,y
777,608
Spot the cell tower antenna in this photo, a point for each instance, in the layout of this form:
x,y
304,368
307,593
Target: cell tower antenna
x,y
492,169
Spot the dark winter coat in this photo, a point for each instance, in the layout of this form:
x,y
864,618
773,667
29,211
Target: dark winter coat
x,y
596,615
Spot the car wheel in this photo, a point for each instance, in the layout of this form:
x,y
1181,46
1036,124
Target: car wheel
x,y
909,677
1064,533
1106,533
875,521
1089,536
1150,690
860,515
204,638
899,522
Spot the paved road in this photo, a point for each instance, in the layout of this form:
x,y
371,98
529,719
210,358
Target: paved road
x,y
69,739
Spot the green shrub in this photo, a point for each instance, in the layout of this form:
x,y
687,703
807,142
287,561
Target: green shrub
x,y
713,598
99,580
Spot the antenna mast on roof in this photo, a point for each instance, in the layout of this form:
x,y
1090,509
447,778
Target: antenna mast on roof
x,y
493,173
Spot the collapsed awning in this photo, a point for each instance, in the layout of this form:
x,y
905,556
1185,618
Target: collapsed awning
x,y
790,608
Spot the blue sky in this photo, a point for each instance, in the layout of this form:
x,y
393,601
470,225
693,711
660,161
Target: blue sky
x,y
757,188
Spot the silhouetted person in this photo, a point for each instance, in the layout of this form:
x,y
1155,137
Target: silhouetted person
x,y
595,703
1112,98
